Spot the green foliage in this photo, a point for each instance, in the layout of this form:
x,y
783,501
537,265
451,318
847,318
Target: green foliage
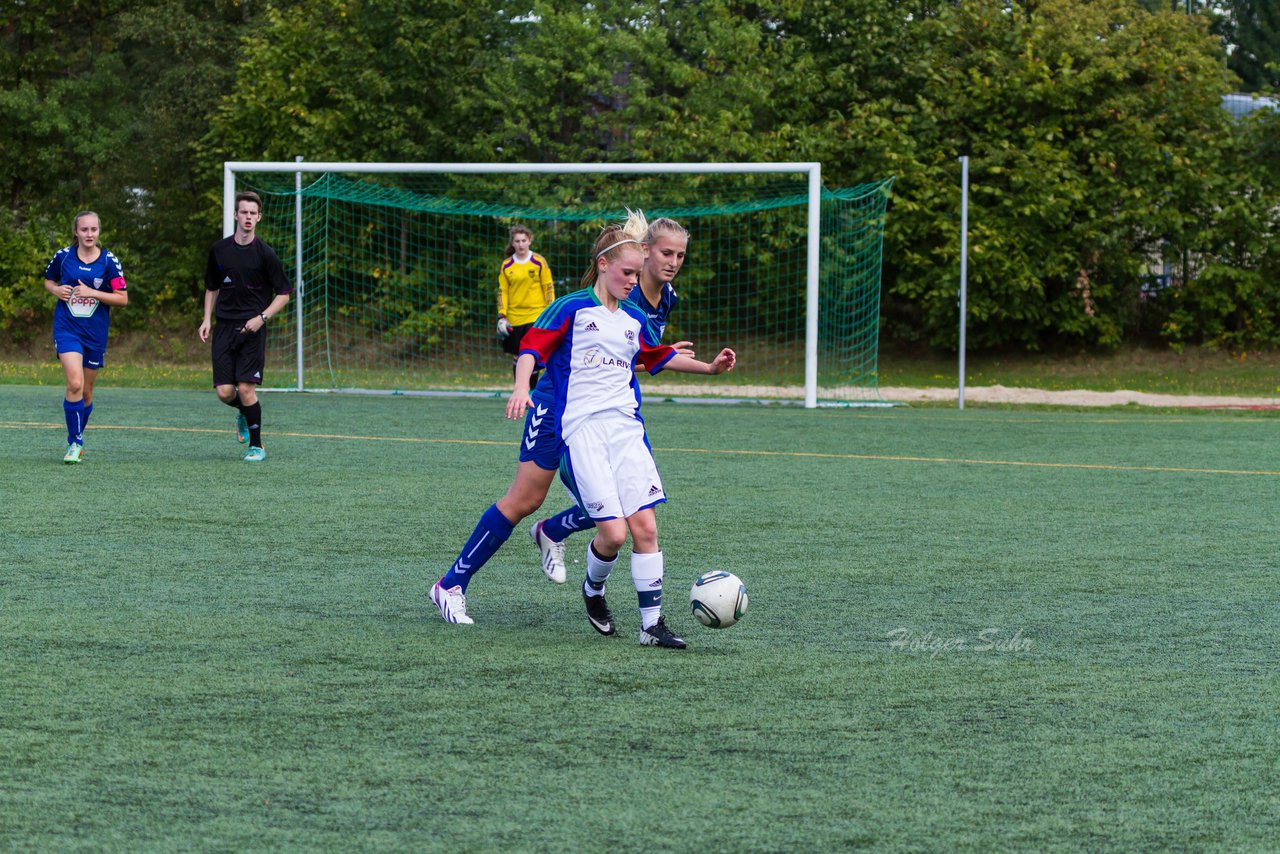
x,y
1233,300
26,307
422,328
109,99
350,80
181,54
1091,128
1252,29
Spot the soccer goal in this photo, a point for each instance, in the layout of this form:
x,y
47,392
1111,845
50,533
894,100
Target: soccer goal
x,y
396,267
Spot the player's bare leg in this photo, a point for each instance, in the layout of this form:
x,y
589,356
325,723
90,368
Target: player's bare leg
x,y
527,491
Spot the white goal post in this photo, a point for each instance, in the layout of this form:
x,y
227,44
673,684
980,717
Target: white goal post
x,y
813,171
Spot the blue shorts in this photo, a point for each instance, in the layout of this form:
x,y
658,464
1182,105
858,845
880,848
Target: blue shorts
x,y
70,343
540,442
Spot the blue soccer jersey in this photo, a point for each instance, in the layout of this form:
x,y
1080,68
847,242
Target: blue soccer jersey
x,y
659,313
85,318
590,354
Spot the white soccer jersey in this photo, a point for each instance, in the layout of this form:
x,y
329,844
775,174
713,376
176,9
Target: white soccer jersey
x,y
590,354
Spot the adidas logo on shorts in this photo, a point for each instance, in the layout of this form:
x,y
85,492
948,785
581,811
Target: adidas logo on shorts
x,y
654,490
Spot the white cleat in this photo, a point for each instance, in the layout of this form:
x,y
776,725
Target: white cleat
x,y
552,553
452,604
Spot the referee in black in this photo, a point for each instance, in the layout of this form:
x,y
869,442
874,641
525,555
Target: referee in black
x,y
245,282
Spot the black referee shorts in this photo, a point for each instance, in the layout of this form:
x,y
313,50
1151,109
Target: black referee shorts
x,y
238,356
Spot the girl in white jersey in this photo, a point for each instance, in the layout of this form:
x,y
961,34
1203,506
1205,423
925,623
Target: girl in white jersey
x,y
591,342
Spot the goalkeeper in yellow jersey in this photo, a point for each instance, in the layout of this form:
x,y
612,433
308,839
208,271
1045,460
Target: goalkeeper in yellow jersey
x,y
524,290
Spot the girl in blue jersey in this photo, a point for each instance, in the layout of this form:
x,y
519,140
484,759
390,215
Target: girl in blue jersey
x,y
88,281
666,244
591,342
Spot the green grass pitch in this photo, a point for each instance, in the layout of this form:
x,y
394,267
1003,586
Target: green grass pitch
x,y
969,631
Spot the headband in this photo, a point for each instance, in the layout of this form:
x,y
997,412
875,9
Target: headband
x,y
615,246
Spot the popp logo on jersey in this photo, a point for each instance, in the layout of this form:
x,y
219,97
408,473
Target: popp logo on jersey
x,y
82,306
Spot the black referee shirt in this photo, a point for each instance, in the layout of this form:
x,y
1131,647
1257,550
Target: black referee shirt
x,y
247,278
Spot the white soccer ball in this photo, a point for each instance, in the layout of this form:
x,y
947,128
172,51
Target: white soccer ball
x,y
718,599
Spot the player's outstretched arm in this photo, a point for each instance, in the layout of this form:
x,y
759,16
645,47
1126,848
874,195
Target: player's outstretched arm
x,y
519,400
722,363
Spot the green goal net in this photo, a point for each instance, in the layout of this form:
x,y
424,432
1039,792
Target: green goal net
x,y
399,275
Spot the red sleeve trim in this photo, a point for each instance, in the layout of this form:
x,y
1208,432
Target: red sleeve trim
x,y
654,359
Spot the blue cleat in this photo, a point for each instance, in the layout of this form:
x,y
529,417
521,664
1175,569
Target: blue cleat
x,y
255,455
242,429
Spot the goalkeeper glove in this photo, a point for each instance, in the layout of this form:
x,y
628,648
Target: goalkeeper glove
x,y
504,327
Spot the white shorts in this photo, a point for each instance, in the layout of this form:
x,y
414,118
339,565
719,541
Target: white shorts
x,y
608,466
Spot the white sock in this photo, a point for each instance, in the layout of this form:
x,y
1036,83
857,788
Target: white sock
x,y
646,574
598,572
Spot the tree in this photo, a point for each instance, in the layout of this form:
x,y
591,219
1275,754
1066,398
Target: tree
x,y
352,80
180,56
1097,139
58,70
1233,300
1091,129
105,100
1252,30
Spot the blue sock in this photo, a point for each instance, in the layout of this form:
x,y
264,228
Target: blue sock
x,y
75,421
491,532
84,422
564,523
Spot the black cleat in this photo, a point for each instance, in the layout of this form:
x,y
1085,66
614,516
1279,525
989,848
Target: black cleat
x,y
659,635
599,614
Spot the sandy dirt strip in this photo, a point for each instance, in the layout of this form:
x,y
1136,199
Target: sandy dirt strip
x,y
1003,394
980,394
